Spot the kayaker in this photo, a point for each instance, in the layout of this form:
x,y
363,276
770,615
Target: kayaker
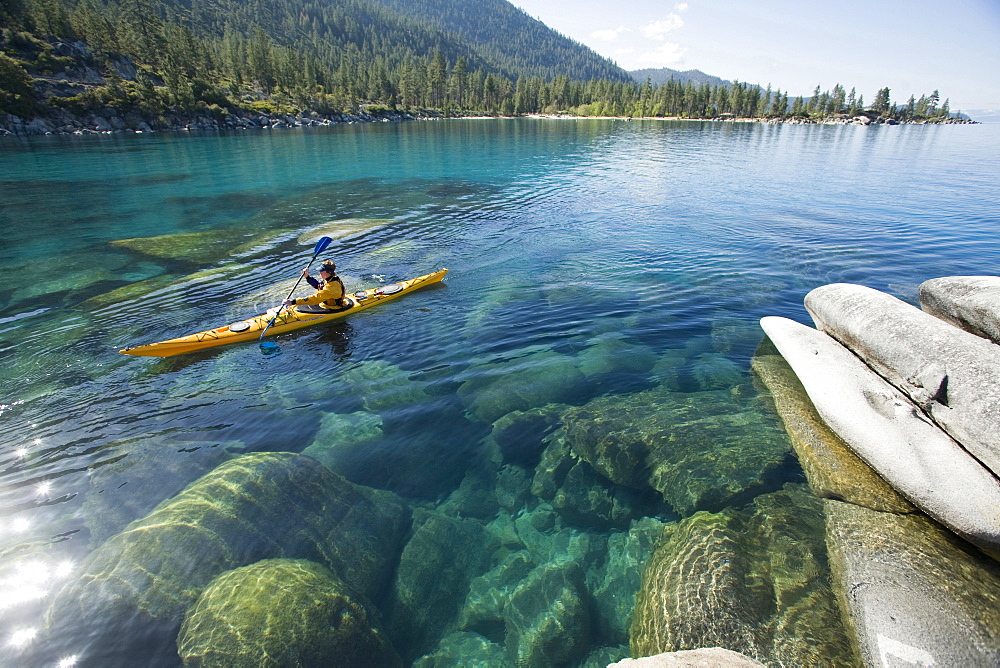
x,y
330,290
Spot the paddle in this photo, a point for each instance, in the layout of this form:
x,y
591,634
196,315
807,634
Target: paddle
x,y
270,346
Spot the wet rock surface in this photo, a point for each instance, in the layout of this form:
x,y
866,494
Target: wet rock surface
x,y
832,469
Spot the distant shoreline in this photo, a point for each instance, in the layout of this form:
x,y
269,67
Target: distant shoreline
x,y
113,122
830,120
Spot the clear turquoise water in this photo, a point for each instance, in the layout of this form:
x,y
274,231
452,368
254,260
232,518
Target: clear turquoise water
x,y
555,233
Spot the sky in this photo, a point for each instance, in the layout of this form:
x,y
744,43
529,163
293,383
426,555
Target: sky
x,y
911,46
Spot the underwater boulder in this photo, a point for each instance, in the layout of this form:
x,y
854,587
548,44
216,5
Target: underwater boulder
x,y
754,582
914,593
547,618
205,247
712,371
342,229
832,469
489,593
613,586
610,355
148,471
537,379
464,648
344,441
700,450
132,591
383,386
581,495
282,612
520,435
441,558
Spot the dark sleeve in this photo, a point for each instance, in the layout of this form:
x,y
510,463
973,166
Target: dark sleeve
x,y
313,282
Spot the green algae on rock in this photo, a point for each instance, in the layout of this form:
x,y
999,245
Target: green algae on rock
x,y
700,450
282,612
755,582
133,590
832,469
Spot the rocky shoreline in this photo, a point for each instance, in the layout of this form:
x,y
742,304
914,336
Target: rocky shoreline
x,y
909,391
111,121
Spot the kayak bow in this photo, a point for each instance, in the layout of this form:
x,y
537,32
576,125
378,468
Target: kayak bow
x,y
288,320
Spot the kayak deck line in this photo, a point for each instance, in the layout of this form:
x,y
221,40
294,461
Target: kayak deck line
x,y
287,320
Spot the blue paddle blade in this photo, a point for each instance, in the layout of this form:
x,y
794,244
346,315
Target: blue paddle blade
x,y
269,348
322,244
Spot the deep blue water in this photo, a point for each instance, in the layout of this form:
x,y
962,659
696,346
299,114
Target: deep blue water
x,y
674,237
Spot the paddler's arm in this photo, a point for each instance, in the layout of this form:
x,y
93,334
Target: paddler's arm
x,y
330,291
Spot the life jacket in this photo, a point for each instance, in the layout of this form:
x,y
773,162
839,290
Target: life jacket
x,y
330,295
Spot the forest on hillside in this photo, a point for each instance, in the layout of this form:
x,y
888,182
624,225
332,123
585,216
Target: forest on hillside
x,y
216,57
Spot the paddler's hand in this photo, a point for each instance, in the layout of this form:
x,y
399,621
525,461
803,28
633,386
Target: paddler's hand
x,y
305,273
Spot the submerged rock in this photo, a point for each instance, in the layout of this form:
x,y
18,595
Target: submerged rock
x,y
282,612
465,648
344,441
969,302
341,229
191,247
753,582
580,494
951,374
613,586
611,354
547,617
833,471
520,435
441,558
915,594
534,380
881,425
699,450
383,386
148,471
133,590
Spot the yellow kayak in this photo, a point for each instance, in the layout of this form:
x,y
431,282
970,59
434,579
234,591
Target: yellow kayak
x,y
292,318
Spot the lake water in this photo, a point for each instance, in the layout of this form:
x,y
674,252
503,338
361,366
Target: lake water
x,y
601,271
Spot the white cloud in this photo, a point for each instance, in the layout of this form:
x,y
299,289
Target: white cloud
x,y
665,55
659,29
681,6
608,35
